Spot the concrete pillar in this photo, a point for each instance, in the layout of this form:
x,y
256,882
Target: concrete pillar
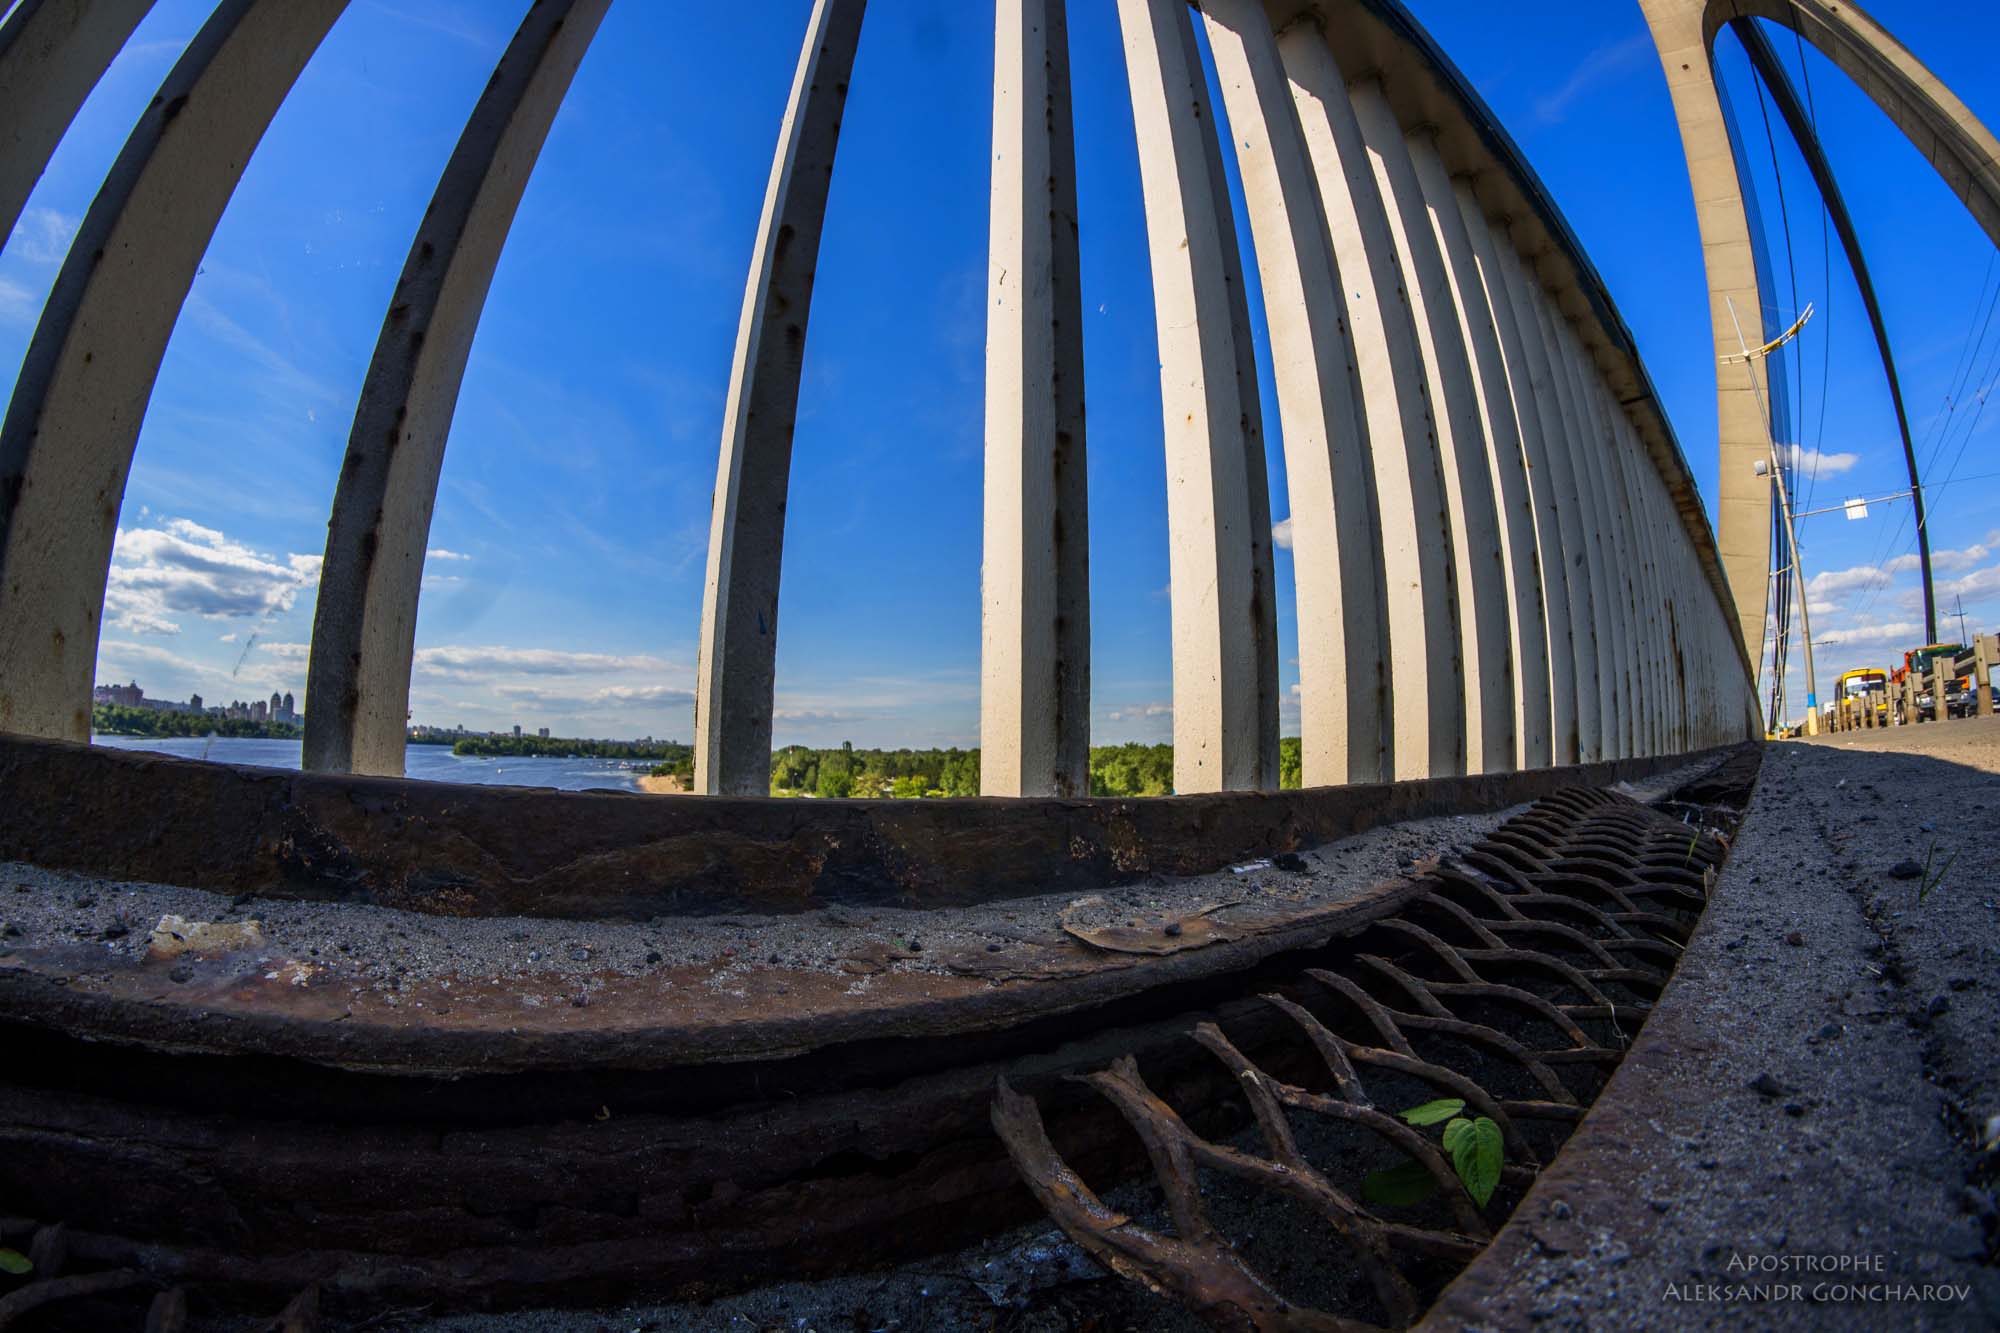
x,y
1585,573
1343,614
52,53
1480,562
1985,655
1617,534
1528,637
67,439
737,655
1634,531
1743,507
1557,592
1034,656
1662,535
1418,568
1613,622
1218,497
365,625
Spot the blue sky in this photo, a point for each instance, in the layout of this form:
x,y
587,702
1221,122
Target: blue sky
x,y
565,584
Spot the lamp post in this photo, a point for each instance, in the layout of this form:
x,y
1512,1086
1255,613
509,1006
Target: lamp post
x,y
1785,502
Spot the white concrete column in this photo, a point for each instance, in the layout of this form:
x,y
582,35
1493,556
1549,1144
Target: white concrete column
x,y
1580,572
52,53
1034,654
67,439
1646,593
1653,591
1546,533
1480,562
1591,445
1620,528
1528,637
1650,503
736,672
1593,547
1218,497
1418,568
1343,614
365,624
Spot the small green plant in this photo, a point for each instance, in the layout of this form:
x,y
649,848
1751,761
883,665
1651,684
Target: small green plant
x,y
13,1261
1930,881
1474,1146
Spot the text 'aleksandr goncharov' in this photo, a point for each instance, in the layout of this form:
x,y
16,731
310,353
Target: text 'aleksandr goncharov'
x,y
1844,1266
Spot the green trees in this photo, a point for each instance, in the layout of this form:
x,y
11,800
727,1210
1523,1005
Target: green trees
x,y
798,770
1131,769
1290,763
564,747
113,720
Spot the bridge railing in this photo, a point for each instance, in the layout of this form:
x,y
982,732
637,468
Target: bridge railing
x,y
1502,560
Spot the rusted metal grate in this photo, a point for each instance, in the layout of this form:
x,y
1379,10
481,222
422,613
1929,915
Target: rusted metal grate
x,y
1568,919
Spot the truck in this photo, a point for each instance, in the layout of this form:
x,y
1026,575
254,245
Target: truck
x,y
1958,689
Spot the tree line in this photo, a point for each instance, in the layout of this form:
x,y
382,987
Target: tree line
x,y
565,747
118,720
1131,769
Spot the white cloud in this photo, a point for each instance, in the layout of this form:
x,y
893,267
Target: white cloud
x,y
1834,582
1600,66
1141,712
439,553
1813,464
1964,557
460,662
42,236
182,568
17,303
1281,534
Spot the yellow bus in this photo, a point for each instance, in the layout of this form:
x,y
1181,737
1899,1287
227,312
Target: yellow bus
x,y
1866,683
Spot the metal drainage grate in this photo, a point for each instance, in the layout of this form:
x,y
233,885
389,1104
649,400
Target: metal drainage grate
x,y
1566,922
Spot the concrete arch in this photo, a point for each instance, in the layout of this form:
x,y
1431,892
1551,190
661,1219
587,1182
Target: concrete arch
x,y
1223,596
736,674
67,440
52,53
365,625
1962,151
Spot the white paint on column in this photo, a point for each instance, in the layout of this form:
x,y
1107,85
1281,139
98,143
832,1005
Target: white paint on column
x,y
1418,567
1579,569
1218,498
1343,622
1546,530
1528,638
1034,692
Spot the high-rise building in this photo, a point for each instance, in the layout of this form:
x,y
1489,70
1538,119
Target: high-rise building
x,y
517,728
544,733
291,712
194,703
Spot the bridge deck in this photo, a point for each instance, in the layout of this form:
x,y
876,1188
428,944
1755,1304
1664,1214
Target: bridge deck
x,y
1881,1025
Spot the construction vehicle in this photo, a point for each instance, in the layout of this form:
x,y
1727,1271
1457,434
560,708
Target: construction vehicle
x,y
1958,689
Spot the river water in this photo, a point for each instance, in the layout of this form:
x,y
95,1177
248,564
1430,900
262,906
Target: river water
x,y
434,763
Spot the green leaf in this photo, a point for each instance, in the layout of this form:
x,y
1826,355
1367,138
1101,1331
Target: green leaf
x,y
1432,1112
1398,1186
13,1261
1455,1131
1477,1154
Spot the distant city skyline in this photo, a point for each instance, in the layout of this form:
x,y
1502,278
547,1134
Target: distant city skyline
x,y
565,557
